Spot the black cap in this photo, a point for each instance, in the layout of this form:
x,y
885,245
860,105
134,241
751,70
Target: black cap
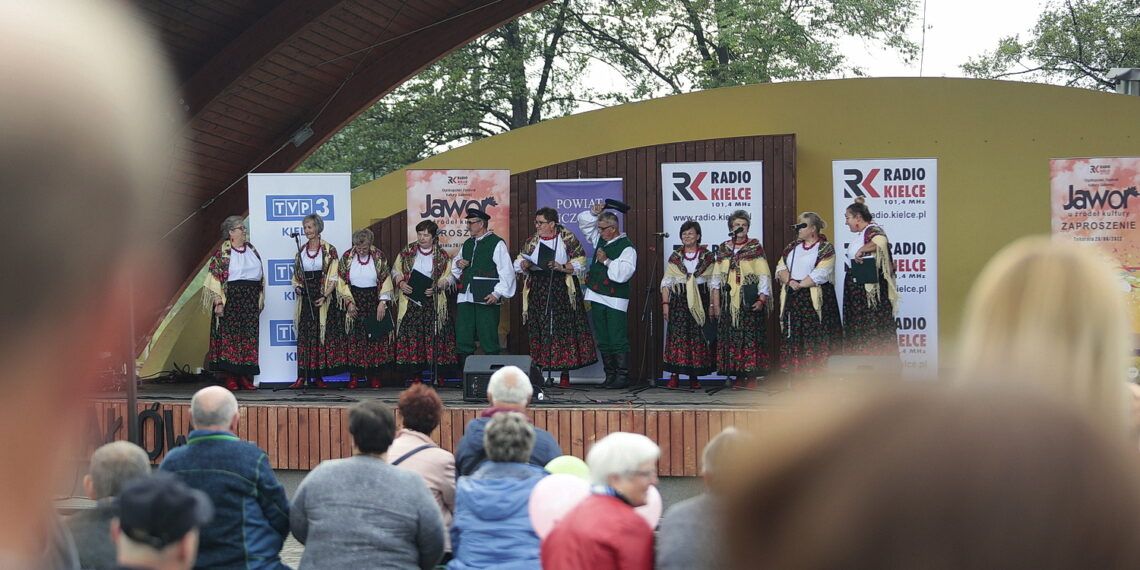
x,y
477,213
159,509
617,205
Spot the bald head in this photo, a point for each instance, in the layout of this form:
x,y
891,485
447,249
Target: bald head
x,y
509,386
213,408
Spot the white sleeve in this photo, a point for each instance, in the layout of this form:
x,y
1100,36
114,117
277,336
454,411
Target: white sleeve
x,y
621,269
820,275
506,287
765,285
588,223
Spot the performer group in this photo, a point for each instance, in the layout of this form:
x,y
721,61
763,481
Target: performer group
x,y
355,313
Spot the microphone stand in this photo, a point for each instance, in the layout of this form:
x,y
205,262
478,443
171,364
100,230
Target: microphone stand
x,y
647,320
305,288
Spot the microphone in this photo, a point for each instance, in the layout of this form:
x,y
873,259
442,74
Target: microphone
x,y
293,234
661,234
798,227
736,231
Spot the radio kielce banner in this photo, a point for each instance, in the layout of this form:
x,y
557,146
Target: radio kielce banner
x,y
443,196
902,194
708,192
1097,201
570,197
277,205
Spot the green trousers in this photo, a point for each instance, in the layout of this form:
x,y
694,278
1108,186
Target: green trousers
x,y
474,320
611,329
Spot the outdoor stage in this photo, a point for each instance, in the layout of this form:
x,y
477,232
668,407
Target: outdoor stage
x,y
300,428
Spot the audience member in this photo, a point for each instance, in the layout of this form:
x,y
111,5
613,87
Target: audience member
x,y
360,511
981,477
508,390
413,449
1050,315
690,536
86,117
158,523
492,525
111,466
252,512
603,531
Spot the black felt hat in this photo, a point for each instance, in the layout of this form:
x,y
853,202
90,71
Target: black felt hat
x,y
477,213
617,205
159,509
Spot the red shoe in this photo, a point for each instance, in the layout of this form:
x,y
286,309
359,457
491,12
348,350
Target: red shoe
x,y
319,383
373,381
244,383
736,383
673,379
694,384
751,383
419,379
564,379
300,383
231,384
353,382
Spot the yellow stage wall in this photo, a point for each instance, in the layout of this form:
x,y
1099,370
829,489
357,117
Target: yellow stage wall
x,y
993,140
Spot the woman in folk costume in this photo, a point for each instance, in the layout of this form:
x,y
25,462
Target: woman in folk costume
x,y
235,291
740,271
320,347
684,296
558,331
809,309
425,332
869,309
364,290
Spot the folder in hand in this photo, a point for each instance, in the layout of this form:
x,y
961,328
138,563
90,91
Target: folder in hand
x,y
420,283
866,272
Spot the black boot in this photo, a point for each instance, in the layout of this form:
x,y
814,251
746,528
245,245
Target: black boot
x,y
621,371
611,373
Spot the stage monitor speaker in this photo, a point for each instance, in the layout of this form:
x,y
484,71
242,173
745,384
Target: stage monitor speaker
x,y
478,369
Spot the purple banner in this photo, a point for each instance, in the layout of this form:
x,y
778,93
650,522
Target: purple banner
x,y
572,196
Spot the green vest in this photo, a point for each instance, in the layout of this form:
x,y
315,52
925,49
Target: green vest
x,y
597,280
482,259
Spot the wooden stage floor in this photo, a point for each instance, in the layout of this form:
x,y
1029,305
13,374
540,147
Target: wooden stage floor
x,y
301,428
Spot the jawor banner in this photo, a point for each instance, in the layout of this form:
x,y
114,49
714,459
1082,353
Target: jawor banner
x,y
902,194
1096,201
444,196
277,205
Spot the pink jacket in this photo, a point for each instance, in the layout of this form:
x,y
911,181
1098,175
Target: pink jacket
x,y
435,465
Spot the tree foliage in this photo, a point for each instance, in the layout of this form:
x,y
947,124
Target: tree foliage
x,y
535,67
1074,43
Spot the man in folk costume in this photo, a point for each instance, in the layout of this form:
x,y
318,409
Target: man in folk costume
x,y
608,288
483,262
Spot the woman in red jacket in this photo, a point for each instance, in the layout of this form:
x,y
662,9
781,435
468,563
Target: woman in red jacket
x,y
604,531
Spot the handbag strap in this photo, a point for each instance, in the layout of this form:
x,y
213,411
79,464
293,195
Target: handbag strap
x,y
411,453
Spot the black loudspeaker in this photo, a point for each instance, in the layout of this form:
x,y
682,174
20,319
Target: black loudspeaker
x,y
478,369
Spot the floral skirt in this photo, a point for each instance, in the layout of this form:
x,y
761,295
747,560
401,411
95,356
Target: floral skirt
x,y
810,338
419,343
686,351
364,356
741,349
314,359
233,336
867,330
567,343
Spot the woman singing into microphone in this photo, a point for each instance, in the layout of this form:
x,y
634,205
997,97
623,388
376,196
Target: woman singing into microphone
x,y
809,309
741,272
684,296
320,348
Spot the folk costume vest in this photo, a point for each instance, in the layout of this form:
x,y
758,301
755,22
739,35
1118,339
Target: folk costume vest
x,y
597,280
481,254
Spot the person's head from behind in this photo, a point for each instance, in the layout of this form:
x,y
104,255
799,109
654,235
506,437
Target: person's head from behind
x,y
420,408
509,387
978,477
720,455
626,462
96,165
112,466
373,427
1050,315
508,438
214,408
158,522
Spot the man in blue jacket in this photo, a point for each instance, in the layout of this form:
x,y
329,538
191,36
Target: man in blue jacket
x,y
251,517
508,390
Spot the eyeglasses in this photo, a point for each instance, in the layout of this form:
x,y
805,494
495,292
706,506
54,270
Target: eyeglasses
x,y
240,228
648,474
601,227
473,222
541,223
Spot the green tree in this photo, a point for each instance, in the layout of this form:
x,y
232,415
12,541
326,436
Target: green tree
x,y
1074,43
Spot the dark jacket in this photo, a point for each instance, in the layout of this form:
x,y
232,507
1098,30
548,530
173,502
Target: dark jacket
x,y
492,526
469,454
251,512
91,531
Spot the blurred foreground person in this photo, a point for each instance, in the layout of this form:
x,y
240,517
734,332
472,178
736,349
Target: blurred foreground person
x,y
972,478
604,531
492,524
158,523
112,466
691,532
1051,316
86,116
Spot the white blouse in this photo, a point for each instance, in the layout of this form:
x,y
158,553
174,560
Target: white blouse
x,y
244,265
